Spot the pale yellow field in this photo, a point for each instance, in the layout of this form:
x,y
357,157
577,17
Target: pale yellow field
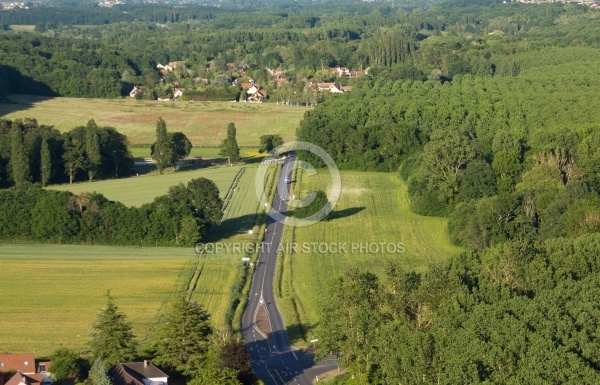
x,y
52,293
204,123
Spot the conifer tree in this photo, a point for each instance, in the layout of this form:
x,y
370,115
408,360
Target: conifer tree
x,y
182,337
160,150
229,145
112,339
92,149
45,163
98,373
18,159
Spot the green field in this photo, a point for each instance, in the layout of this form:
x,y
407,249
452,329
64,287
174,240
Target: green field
x,y
136,191
51,293
204,123
373,208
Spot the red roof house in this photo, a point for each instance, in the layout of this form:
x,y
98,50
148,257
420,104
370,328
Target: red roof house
x,y
20,362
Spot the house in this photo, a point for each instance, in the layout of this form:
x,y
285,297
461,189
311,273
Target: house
x,y
26,379
247,86
258,96
339,71
135,91
252,90
346,88
335,90
20,362
29,372
280,80
344,71
276,72
164,68
331,87
324,86
138,373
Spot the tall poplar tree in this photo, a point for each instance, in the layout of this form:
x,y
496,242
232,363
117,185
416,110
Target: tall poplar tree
x,y
229,145
18,159
112,339
45,163
160,150
92,149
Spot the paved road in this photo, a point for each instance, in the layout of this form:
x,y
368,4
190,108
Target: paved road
x,y
274,361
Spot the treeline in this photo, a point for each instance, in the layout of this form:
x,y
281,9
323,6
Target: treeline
x,y
516,313
53,16
179,218
38,65
31,153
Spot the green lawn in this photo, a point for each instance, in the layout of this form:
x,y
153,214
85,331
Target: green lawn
x,y
136,191
51,293
204,123
373,208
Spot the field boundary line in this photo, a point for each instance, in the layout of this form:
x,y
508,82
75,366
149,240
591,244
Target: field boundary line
x,y
194,281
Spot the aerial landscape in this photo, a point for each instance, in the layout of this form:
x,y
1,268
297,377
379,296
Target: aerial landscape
x,y
350,192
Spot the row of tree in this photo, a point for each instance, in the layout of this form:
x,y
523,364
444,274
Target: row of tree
x,y
179,218
34,153
183,344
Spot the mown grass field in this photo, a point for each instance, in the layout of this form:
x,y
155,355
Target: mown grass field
x,y
136,191
373,208
51,293
204,123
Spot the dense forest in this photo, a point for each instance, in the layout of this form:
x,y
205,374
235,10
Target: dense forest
x,y
34,155
515,313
